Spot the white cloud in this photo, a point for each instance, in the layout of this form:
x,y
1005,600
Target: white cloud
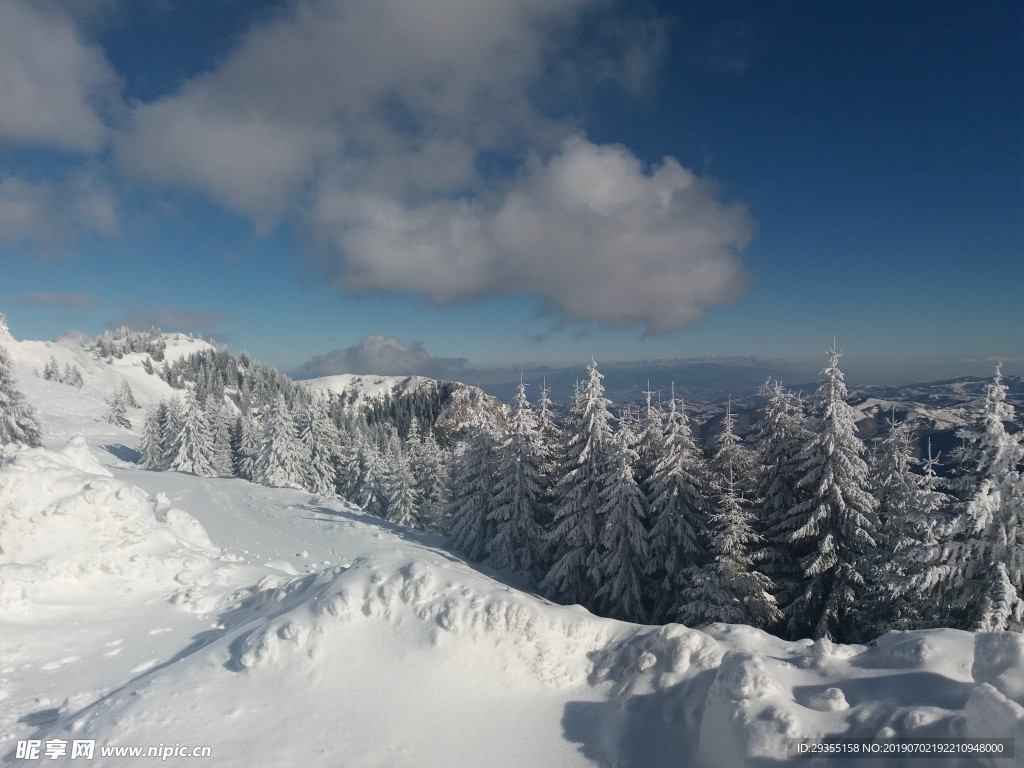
x,y
589,230
53,212
53,85
77,300
371,122
383,356
169,320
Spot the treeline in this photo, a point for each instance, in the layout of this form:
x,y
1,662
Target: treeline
x,y
804,532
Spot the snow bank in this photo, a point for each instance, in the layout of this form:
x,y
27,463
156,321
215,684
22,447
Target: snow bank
x,y
68,528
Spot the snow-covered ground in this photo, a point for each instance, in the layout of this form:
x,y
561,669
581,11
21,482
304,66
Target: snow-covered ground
x,y
144,609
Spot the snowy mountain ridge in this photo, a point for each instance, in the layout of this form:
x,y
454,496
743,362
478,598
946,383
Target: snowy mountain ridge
x,y
281,628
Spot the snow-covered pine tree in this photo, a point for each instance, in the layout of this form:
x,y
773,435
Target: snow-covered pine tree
x,y
781,436
430,468
400,490
152,445
250,436
173,419
73,376
219,421
650,447
729,588
117,411
127,395
981,570
51,371
576,530
519,492
371,491
319,438
471,490
278,462
838,522
679,507
194,450
732,459
913,518
624,546
18,420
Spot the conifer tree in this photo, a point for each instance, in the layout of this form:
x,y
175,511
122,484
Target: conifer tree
x,y
471,494
981,569
249,435
912,513
18,420
117,411
193,447
519,492
430,470
679,508
576,528
152,448
624,547
729,588
319,438
732,459
650,447
371,491
780,440
51,371
400,490
73,376
219,423
173,420
838,522
278,461
127,396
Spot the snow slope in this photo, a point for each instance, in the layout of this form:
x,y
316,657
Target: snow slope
x,y
140,609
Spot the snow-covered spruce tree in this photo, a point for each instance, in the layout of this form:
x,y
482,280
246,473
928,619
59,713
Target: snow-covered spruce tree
x,y
471,492
913,519
193,447
779,442
279,460
249,436
173,420
151,447
400,490
624,547
520,491
837,522
319,438
51,371
981,569
371,490
650,445
576,529
73,377
219,421
127,395
430,469
729,588
732,459
679,506
117,411
18,420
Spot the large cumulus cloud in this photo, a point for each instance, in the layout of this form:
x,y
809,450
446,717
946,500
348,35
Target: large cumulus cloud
x,y
418,149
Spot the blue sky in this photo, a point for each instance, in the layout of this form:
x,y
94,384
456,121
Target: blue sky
x,y
446,186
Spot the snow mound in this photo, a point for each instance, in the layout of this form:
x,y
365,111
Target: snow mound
x,y
422,602
68,527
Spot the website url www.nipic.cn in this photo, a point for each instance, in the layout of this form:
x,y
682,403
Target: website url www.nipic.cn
x,y
86,749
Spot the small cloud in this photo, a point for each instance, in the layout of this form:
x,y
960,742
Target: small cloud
x,y
167,319
59,300
383,356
